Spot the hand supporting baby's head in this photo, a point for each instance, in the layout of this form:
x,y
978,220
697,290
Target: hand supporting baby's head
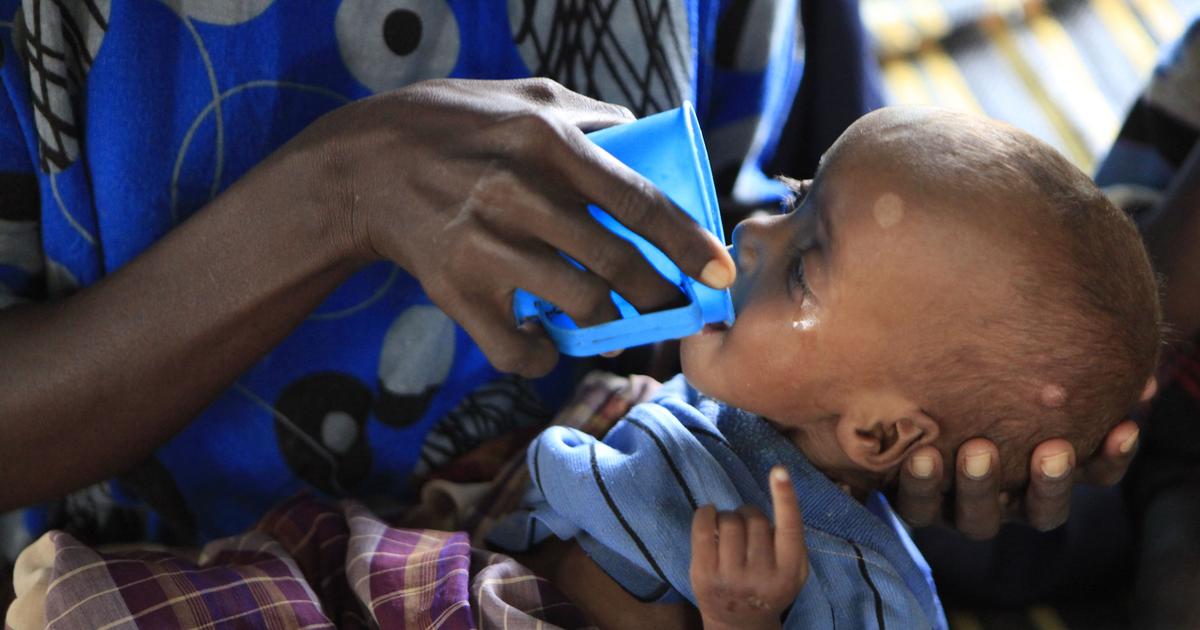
x,y
945,277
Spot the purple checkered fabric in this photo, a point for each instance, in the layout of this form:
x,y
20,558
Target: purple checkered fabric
x,y
307,565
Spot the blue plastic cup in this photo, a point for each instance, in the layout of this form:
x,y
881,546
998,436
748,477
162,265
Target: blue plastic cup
x,y
668,150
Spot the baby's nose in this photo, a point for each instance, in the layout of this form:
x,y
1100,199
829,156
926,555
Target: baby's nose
x,y
749,239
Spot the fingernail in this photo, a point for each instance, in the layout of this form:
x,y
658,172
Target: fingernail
x,y
979,465
1150,389
921,467
1129,443
716,274
779,474
1056,466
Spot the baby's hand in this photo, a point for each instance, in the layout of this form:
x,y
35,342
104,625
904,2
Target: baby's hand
x,y
745,575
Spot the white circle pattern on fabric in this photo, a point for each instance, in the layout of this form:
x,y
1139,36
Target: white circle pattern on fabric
x,y
418,351
392,43
339,431
223,12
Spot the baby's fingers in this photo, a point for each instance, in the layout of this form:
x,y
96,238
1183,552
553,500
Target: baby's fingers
x,y
704,543
731,545
760,543
791,555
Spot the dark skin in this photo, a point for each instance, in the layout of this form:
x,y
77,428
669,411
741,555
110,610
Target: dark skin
x,y
445,178
979,507
505,180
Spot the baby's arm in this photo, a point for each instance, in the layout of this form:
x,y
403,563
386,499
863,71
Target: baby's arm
x,y
745,576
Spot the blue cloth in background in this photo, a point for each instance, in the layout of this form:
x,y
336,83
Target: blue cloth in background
x,y
629,499
841,82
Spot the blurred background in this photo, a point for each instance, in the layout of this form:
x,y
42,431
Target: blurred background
x,y
1067,71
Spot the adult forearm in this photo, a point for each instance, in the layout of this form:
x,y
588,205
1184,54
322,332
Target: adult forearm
x,y
447,178
1172,241
91,384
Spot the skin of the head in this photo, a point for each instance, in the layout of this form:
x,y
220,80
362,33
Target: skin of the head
x,y
963,280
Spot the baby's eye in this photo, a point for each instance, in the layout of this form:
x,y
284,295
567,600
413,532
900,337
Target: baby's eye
x,y
796,268
799,193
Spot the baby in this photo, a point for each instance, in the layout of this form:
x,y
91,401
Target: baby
x,y
943,277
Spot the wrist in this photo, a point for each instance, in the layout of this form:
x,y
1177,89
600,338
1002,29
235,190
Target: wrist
x,y
306,189
331,206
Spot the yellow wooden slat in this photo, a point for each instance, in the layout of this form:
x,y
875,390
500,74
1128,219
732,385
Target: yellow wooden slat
x,y
1127,32
952,88
930,18
904,83
1162,16
886,20
1003,42
1005,8
1072,74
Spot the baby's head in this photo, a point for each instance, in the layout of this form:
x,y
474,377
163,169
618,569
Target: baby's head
x,y
943,277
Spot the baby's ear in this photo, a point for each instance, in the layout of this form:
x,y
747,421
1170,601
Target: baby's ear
x,y
880,441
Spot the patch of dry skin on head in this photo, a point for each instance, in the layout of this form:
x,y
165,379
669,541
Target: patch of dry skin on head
x,y
888,210
1053,396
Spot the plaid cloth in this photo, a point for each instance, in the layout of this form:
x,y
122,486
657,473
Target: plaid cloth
x,y
310,564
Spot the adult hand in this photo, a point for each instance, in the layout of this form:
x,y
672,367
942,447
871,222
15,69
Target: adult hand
x,y
979,505
475,187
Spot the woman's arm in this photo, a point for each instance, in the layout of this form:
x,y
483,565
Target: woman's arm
x,y
91,384
470,186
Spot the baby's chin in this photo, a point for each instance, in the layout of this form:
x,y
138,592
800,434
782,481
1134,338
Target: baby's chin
x,y
698,359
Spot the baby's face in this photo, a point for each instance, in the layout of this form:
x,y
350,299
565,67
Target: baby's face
x,y
831,298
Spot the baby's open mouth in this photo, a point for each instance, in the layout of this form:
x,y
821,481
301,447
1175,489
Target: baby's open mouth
x,y
714,328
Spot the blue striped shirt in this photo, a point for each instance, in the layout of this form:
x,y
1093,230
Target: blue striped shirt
x,y
628,500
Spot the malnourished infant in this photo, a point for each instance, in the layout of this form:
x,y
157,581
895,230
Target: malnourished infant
x,y
943,277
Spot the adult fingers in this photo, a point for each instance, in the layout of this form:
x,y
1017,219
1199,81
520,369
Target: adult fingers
x,y
919,498
577,109
581,295
631,199
1048,498
731,545
977,511
791,555
483,303
704,543
525,350
1116,453
616,260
